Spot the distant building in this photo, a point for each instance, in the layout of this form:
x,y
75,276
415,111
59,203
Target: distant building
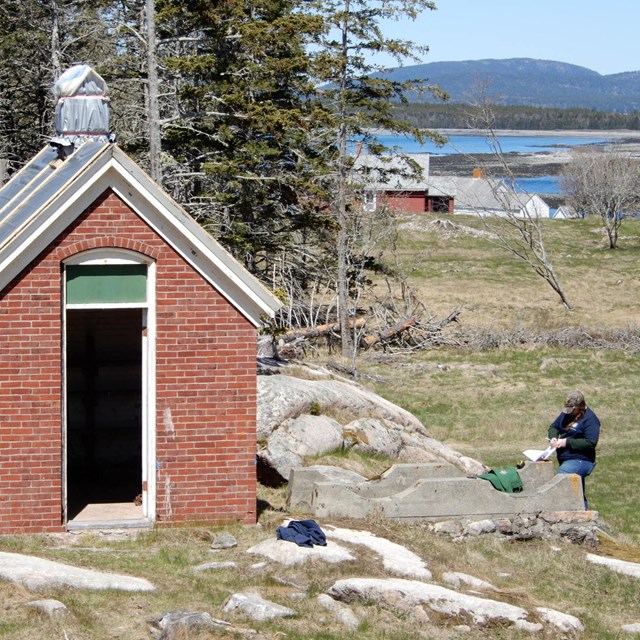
x,y
398,182
485,196
390,181
565,212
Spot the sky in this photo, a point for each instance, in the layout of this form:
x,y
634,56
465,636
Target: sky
x,y
602,36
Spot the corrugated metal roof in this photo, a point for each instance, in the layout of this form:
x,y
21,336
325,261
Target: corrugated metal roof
x,y
39,181
393,172
478,193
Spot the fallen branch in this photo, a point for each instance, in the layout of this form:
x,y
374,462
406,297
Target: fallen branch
x,y
353,373
388,334
321,330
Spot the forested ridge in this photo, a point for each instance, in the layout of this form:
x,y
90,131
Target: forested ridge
x,y
461,116
529,82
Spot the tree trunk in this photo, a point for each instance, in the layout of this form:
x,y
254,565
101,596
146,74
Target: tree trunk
x,y
56,62
155,150
343,227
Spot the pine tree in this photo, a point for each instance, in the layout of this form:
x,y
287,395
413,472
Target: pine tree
x,y
241,122
358,101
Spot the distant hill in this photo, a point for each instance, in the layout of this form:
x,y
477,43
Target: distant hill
x,y
525,81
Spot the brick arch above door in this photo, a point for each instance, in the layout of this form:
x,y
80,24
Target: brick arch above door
x,y
107,242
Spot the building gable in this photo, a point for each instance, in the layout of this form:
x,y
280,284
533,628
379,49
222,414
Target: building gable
x,y
47,196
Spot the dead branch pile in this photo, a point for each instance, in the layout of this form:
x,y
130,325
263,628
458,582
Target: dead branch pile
x,y
411,334
487,338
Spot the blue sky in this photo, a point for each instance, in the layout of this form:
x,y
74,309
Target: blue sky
x,y
602,36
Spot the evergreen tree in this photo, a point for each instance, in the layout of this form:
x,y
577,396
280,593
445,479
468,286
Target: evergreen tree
x,y
240,121
358,100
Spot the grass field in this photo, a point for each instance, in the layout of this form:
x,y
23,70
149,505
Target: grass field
x,y
487,403
494,403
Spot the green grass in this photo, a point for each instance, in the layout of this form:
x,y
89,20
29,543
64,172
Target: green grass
x,y
490,404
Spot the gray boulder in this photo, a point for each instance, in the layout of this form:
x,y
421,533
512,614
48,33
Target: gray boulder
x,y
342,613
256,607
281,397
176,625
373,435
49,607
298,417
296,438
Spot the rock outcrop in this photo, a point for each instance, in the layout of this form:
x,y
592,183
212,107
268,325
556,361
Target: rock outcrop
x,y
300,417
456,600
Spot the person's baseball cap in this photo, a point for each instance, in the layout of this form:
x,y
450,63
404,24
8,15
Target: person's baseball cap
x,y
574,399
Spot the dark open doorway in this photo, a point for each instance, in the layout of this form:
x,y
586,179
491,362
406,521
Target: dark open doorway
x,y
104,407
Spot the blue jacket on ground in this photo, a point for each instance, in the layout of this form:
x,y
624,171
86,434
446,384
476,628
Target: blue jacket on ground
x,y
305,533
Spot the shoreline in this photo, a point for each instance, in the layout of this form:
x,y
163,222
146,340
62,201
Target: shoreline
x,y
528,164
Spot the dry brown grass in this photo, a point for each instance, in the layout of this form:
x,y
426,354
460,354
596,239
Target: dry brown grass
x,y
459,269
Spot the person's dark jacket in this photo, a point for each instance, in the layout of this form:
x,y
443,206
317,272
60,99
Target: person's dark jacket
x,y
582,436
305,533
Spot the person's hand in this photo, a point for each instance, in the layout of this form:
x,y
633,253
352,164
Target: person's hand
x,y
559,443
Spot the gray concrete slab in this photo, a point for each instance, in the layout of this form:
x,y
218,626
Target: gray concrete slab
x,y
434,492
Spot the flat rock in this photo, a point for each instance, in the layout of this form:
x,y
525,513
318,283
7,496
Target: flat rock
x,y
290,554
631,628
410,593
224,541
50,607
396,558
619,566
37,573
256,607
213,566
563,621
457,579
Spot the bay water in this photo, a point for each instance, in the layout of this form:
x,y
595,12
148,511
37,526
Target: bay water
x,y
473,144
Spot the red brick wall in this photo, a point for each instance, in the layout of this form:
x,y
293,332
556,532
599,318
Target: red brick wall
x,y
408,202
206,384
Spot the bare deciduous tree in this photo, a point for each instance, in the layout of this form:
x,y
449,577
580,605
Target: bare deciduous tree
x,y
606,184
522,235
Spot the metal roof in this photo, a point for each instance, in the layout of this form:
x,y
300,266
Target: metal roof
x,y
42,199
41,179
393,172
479,194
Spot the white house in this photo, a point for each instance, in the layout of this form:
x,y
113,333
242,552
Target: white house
x,y
565,212
482,196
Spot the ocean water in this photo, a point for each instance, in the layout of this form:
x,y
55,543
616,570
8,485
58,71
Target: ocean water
x,y
541,184
478,144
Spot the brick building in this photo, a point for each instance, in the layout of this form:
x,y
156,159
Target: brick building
x,y
127,350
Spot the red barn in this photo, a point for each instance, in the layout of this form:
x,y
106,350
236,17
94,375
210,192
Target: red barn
x,y
399,182
127,345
